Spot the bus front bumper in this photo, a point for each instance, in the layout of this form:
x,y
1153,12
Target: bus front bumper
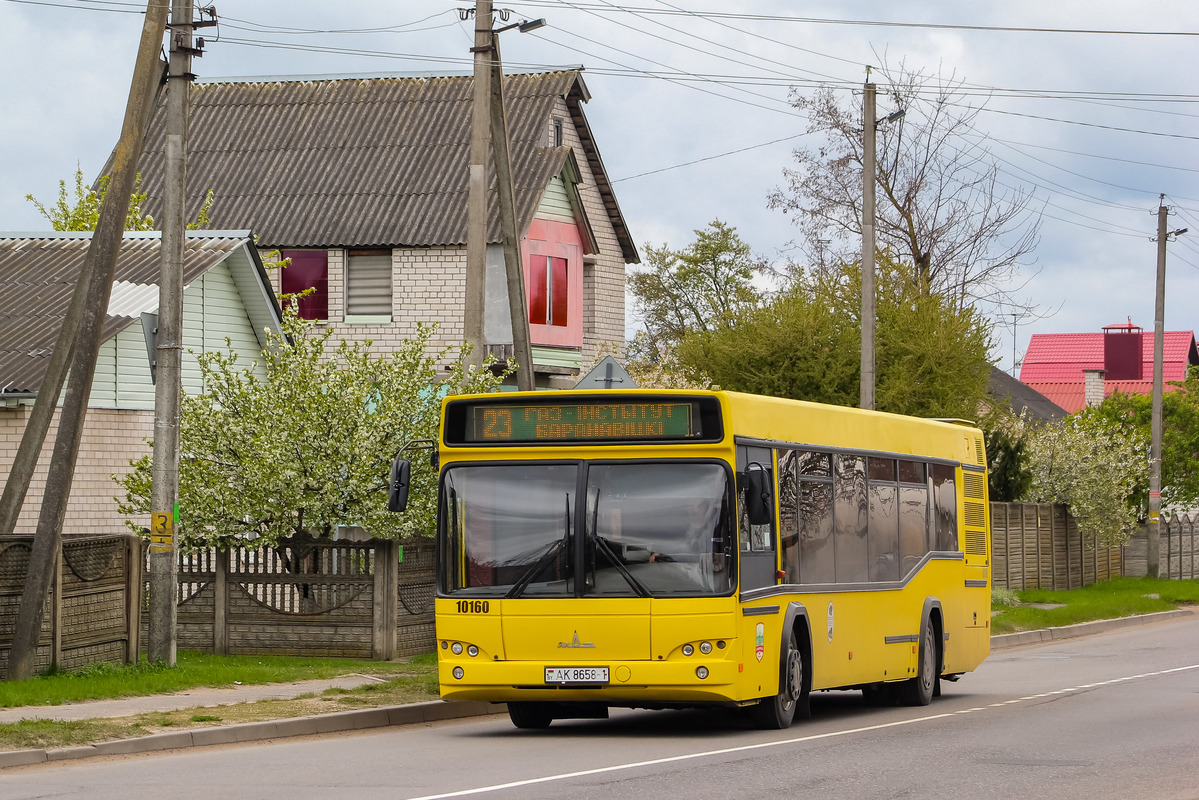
x,y
629,682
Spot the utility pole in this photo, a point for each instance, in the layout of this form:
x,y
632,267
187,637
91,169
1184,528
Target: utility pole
x,y
1153,530
476,203
1153,536
94,288
868,178
1016,317
168,386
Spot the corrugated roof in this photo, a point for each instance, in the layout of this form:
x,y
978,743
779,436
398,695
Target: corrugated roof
x,y
362,161
1062,357
38,273
1072,396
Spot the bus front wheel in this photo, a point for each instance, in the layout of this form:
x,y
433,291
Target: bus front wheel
x,y
919,691
530,715
777,712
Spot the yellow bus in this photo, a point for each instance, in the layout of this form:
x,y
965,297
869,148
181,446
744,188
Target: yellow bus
x,y
667,549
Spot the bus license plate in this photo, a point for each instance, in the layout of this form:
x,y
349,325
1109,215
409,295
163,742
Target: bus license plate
x,y
591,675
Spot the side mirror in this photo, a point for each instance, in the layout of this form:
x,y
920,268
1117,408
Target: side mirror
x,y
758,500
397,495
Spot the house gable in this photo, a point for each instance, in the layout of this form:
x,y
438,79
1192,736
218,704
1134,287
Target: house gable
x,y
226,294
353,166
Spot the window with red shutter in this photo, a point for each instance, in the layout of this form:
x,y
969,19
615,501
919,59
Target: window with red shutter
x,y
309,269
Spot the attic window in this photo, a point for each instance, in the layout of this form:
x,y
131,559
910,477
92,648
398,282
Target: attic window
x,y
557,131
309,269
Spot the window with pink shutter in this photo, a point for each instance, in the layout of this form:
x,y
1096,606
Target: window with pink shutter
x,y
553,261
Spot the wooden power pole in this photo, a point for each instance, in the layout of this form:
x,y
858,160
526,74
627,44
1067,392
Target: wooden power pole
x,y
96,278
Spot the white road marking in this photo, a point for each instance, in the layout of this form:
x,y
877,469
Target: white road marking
x,y
795,740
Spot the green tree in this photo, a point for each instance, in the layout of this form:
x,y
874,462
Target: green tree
x,y
1009,472
698,288
1093,465
308,446
1180,440
805,344
83,211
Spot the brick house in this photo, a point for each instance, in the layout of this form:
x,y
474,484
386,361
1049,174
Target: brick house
x,y
362,182
1075,370
227,294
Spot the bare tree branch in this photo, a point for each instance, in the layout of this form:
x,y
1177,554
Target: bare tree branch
x,y
941,206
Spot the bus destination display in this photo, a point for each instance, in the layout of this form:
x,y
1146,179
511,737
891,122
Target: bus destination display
x,y
582,422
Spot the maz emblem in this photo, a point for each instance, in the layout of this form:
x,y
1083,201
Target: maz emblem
x,y
576,643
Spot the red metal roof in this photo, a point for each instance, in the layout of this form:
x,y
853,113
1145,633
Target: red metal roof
x,y
1054,358
1071,395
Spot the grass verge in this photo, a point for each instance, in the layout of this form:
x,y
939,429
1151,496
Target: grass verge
x,y
1121,597
420,684
192,669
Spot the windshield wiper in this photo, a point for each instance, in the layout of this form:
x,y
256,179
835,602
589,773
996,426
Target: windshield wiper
x,y
601,544
532,572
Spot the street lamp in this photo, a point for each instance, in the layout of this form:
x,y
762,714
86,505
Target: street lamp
x,y
525,26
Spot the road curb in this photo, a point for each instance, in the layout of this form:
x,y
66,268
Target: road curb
x,y
432,711
1006,640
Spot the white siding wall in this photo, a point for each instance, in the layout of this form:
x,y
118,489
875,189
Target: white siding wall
x,y
133,389
212,310
555,203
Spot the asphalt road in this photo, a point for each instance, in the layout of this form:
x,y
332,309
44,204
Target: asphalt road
x,y
1115,715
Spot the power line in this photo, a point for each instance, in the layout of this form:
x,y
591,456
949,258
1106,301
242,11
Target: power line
x,y
1084,124
708,158
864,22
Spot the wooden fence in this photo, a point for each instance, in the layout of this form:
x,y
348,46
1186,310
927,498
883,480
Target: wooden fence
x,y
91,614
1038,546
309,597
1177,558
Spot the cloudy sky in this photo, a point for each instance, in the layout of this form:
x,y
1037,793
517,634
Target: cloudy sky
x,y
1091,106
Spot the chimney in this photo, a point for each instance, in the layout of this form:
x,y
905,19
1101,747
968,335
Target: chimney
x,y
1093,380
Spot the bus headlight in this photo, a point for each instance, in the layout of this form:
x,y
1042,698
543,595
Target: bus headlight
x,y
458,672
688,649
456,648
472,651
705,647
701,672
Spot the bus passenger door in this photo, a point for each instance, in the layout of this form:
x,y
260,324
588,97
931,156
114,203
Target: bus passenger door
x,y
756,543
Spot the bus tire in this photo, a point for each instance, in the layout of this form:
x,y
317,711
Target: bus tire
x,y
530,715
919,691
778,711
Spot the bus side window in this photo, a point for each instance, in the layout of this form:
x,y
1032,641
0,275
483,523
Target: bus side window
x,y
789,512
755,538
944,536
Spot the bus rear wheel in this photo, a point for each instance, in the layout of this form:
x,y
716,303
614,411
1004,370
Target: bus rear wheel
x,y
777,712
919,691
530,715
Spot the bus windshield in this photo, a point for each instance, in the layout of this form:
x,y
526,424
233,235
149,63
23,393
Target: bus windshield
x,y
645,529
